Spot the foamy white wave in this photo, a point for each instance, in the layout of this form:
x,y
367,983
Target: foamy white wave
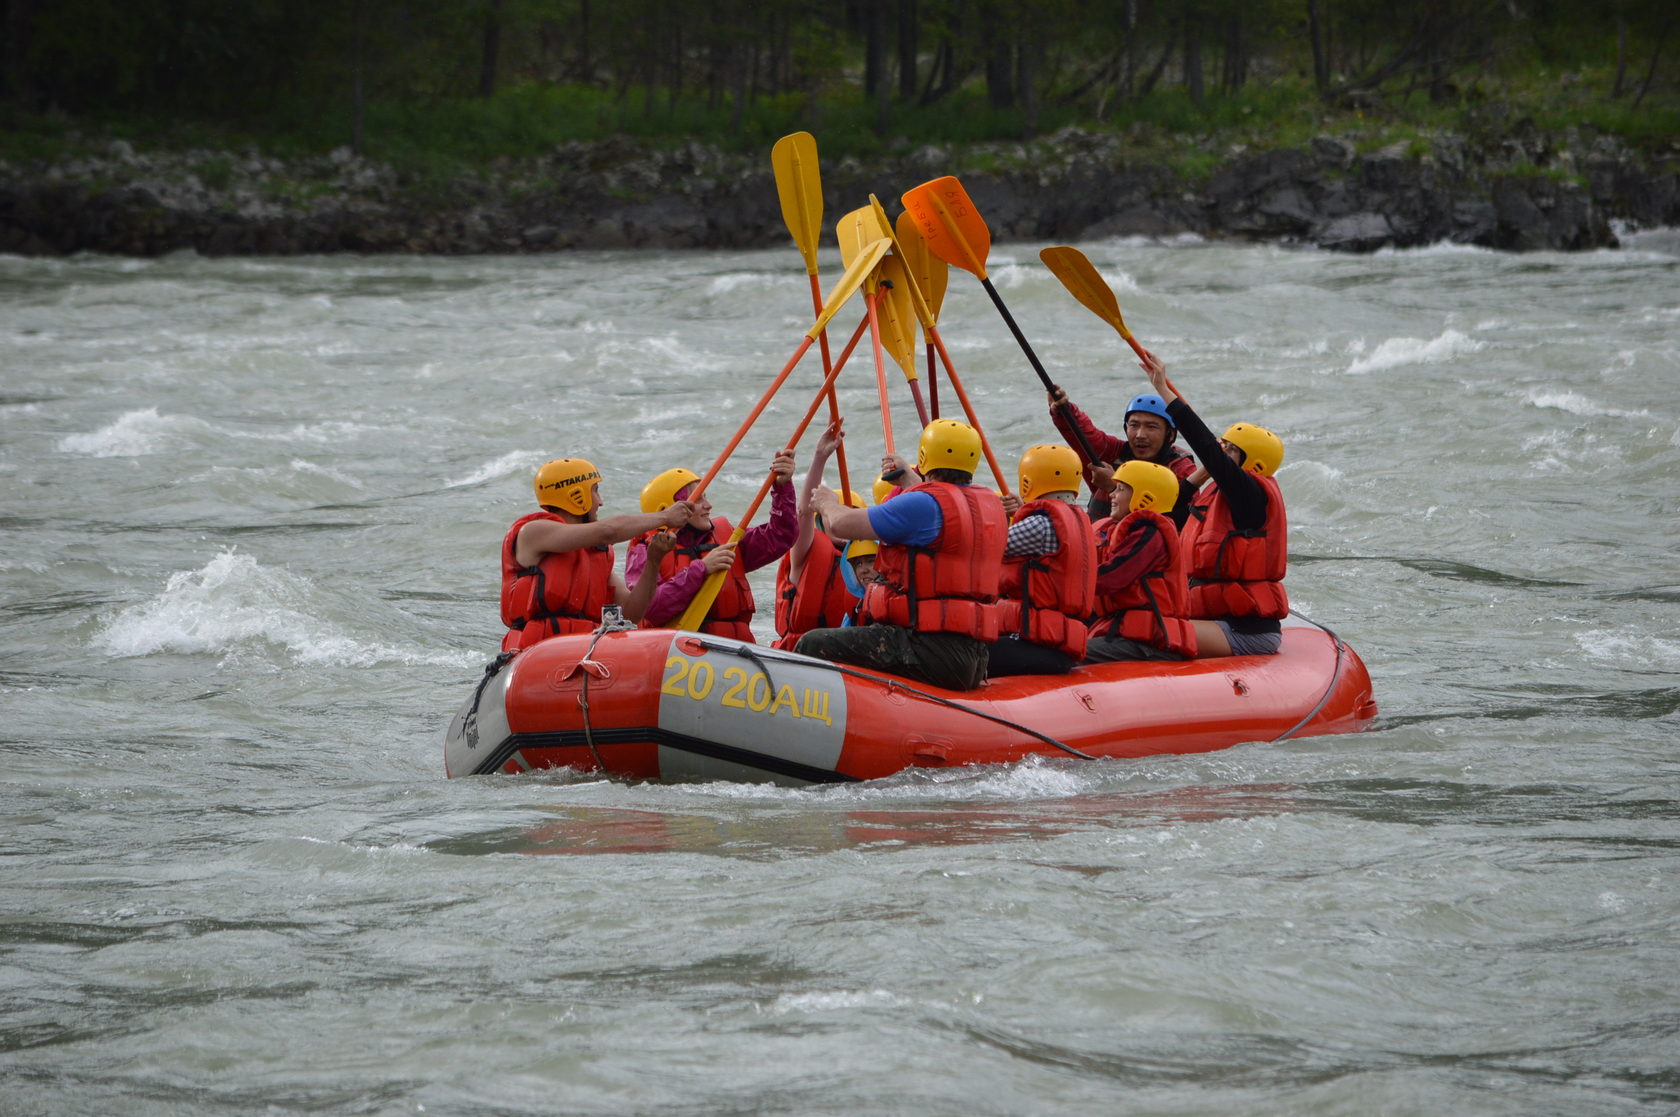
x,y
1009,275
659,354
1439,248
599,326
299,465
233,603
334,431
1141,240
824,1002
135,433
1119,280
1313,472
1398,351
1577,404
726,284
1630,649
514,461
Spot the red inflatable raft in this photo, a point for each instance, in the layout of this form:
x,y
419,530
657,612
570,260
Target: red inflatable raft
x,y
672,705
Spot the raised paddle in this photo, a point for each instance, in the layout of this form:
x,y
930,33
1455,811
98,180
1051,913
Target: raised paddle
x,y
930,275
844,288
898,324
903,299
957,234
701,603
799,189
853,231
1086,284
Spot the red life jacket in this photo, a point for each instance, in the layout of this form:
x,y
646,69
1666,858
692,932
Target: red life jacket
x,y
1153,610
1237,573
731,614
819,600
1046,598
560,595
952,585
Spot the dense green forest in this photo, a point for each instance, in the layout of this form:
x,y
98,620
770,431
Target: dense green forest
x,y
477,79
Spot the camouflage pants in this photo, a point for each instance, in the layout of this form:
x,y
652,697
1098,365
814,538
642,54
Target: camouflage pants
x,y
944,659
1108,649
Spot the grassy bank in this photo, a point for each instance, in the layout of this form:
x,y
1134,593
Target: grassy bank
x,y
431,140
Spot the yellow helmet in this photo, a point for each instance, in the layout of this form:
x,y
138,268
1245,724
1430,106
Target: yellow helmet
x,y
856,501
1048,469
1262,450
564,483
861,548
1154,487
883,489
948,444
661,492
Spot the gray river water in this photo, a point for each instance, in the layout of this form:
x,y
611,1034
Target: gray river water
x,y
248,572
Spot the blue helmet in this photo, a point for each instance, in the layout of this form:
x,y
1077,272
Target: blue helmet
x,y
1153,404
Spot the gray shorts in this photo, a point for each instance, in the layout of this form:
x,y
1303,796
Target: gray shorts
x,y
1251,643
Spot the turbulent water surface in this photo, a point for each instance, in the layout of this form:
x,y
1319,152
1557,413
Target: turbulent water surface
x,y
249,571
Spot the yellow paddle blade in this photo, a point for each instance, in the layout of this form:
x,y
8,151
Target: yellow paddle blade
x,y
846,286
896,315
856,231
954,230
799,187
929,271
1084,283
917,303
695,615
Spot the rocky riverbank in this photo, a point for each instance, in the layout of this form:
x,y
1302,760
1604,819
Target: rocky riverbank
x,y
1522,192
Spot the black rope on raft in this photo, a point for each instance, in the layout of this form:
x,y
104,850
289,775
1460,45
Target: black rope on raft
x,y
1335,677
841,669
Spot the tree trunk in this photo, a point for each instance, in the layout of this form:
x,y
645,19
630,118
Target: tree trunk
x,y
908,34
1621,52
358,54
1193,60
1235,72
874,46
1000,76
1651,71
585,63
491,56
1128,76
1027,85
743,68
1321,64
1160,66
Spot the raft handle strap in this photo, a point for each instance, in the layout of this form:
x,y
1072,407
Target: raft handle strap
x,y
583,692
1335,676
469,723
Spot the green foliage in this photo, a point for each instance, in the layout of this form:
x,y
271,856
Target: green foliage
x,y
409,76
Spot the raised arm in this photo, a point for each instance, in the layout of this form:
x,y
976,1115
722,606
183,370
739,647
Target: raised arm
x,y
826,445
635,599
1242,490
547,537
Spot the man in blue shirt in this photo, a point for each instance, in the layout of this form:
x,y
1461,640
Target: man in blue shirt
x,y
931,614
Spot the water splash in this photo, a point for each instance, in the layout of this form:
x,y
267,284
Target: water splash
x,y
1577,404
510,463
1397,351
135,433
233,603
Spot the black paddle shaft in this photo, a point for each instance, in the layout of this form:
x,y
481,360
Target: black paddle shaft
x,y
1089,454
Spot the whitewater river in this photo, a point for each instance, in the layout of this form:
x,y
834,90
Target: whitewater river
x,y
248,572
